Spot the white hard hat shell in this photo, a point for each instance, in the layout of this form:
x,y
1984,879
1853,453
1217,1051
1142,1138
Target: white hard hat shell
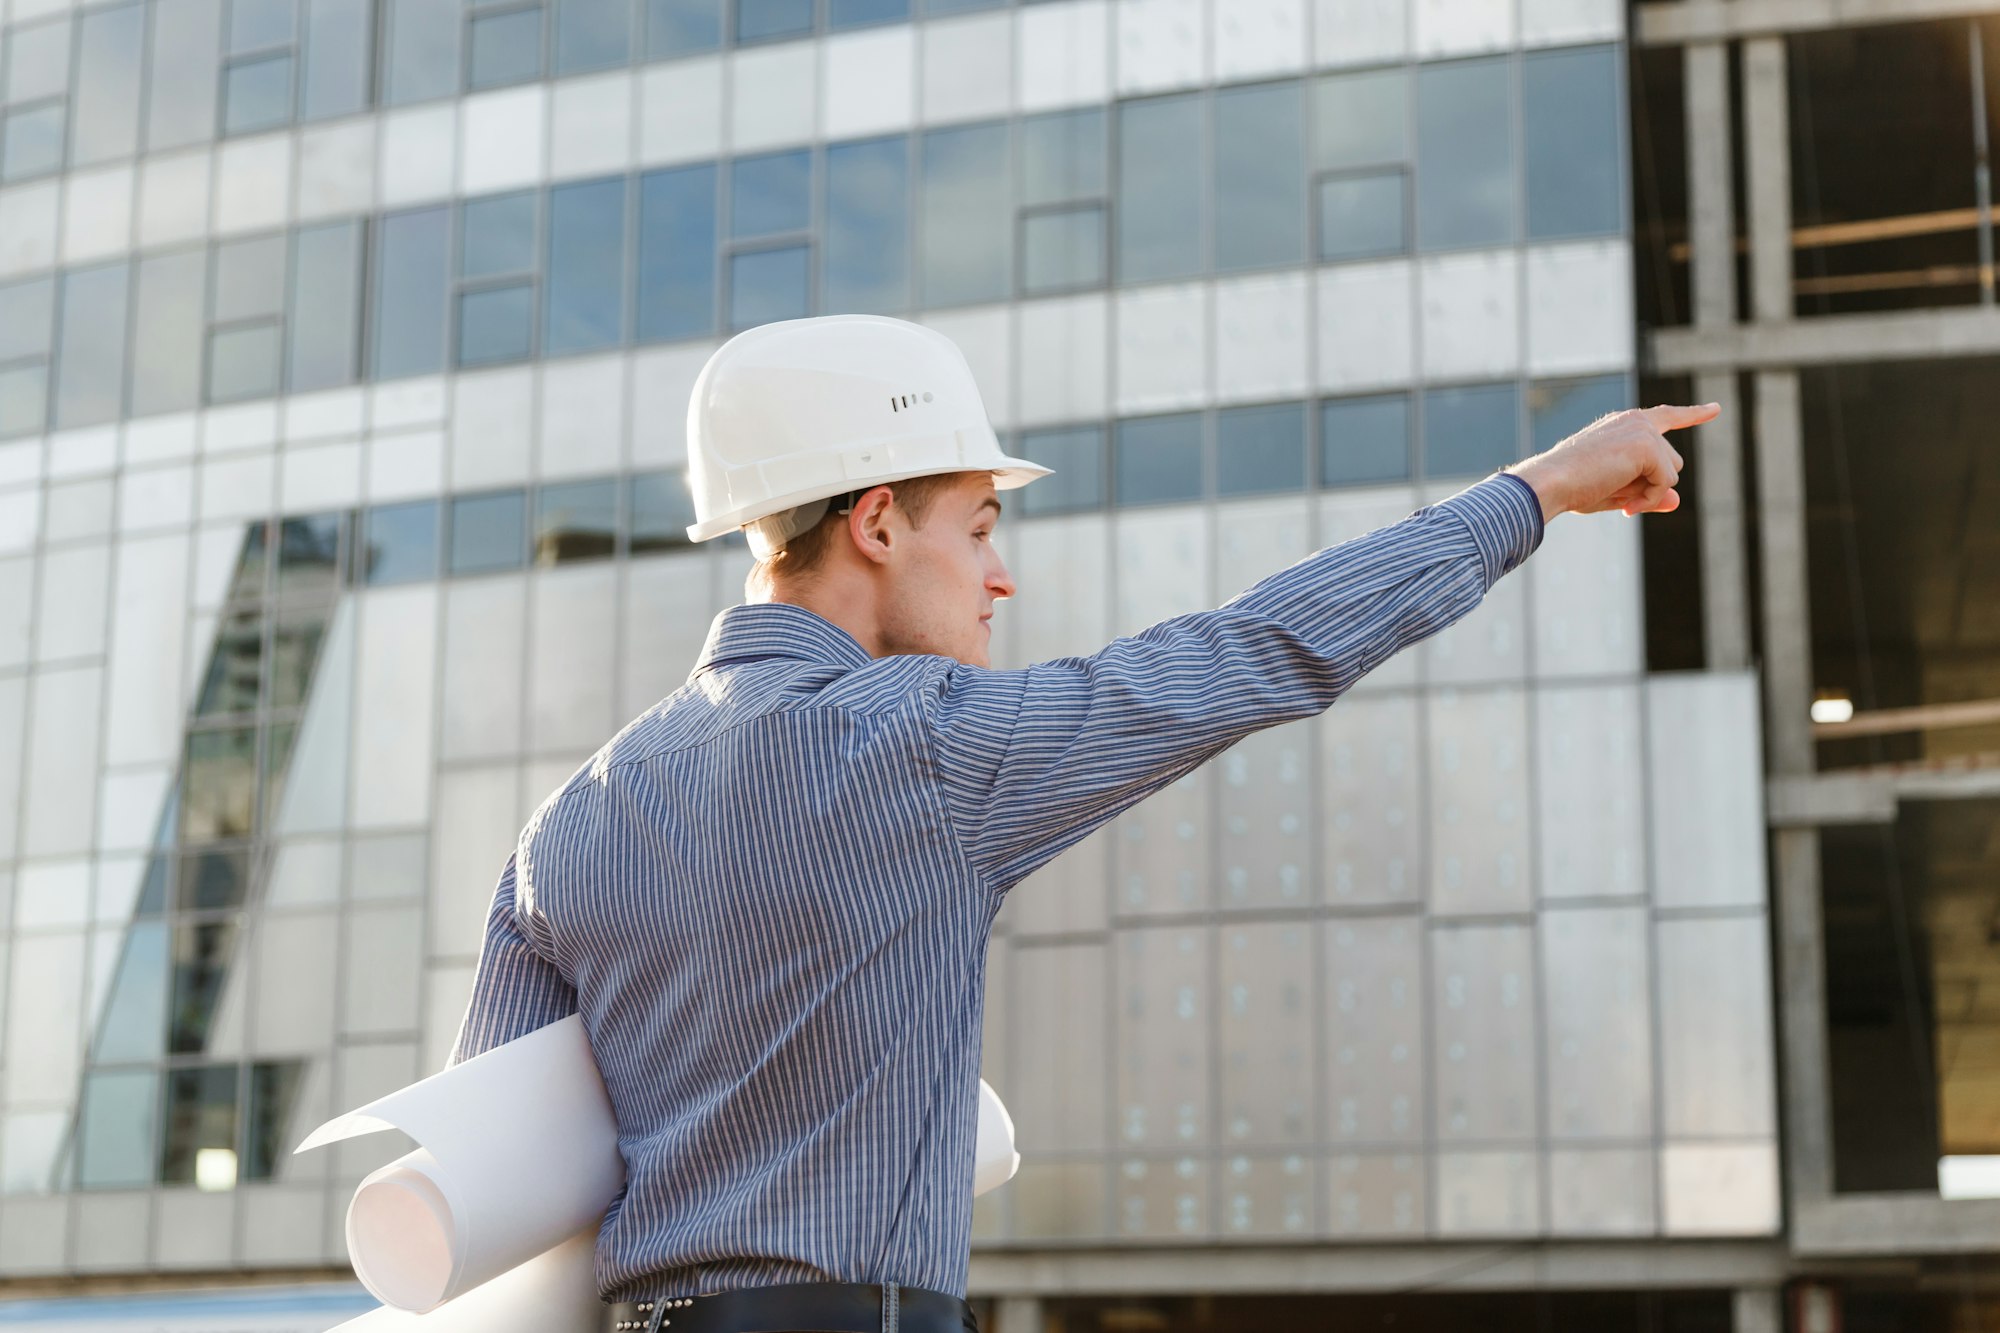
x,y
803,409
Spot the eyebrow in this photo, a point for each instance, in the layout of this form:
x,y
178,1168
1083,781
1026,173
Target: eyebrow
x,y
989,500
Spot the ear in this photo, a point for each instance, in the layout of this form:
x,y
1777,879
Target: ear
x,y
868,524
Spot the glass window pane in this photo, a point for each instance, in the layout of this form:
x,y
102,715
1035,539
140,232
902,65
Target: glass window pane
x,y
677,27
1471,431
854,13
1465,155
252,563
309,557
24,395
181,92
864,266
488,532
218,785
198,1139
585,296
243,363
214,880
1076,455
257,94
592,34
256,24
1062,250
759,19
32,144
1360,216
506,48
1561,408
37,61
1260,182
399,544
166,338
115,1133
677,253
422,50
274,1092
91,358
767,285
1062,157
326,282
409,299
234,666
968,245
1159,197
576,521
134,1026
1260,449
1159,459
110,48
1571,127
962,6
1361,120
1363,441
338,35
770,195
295,641
249,278
496,235
496,324
662,510
27,317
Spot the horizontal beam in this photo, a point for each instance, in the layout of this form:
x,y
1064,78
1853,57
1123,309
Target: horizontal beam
x,y
1870,795
1677,22
1826,340
1923,717
1165,1270
1894,1224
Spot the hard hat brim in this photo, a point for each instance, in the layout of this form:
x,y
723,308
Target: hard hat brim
x,y
1008,474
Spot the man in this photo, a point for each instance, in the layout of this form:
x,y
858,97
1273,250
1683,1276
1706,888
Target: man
x,y
770,895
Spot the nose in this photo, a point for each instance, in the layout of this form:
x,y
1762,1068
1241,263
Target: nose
x,y
998,581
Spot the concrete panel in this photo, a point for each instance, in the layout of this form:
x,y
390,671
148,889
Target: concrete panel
x,y
148,629
394,707
870,82
1165,1052
1367,326
574,624
1720,1189
1580,316
664,625
1597,1023
253,183
1269,1197
1063,604
1266,805
1061,360
1163,561
1058,1097
1063,55
1163,361
1462,27
1371,803
492,425
1486,1086
582,417
336,169
680,111
1162,1197
1488,1194
503,136
986,336
1602,1191
1471,314
1257,38
1716,1043
1374,1040
1360,32
1162,44
1061,1201
1479,802
1589,802
1070,895
1587,596
1261,347
968,68
1267,1035
1376,1195
485,627
591,125
1705,775
1488,646
774,95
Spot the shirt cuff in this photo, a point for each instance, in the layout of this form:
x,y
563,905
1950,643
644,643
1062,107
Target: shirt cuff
x,y
1504,515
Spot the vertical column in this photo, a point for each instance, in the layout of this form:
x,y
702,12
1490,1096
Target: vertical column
x,y
1758,1310
1718,445
1018,1314
1768,171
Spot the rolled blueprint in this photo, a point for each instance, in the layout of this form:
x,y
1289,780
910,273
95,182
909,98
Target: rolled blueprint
x,y
517,1159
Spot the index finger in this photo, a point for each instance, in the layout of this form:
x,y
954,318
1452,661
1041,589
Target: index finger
x,y
1678,418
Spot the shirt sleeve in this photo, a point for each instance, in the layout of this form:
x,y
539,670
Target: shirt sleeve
x,y
1032,761
515,990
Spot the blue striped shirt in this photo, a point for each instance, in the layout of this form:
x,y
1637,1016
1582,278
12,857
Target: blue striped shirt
x,y
770,894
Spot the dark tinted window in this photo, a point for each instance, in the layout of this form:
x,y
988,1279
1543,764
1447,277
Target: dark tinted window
x,y
585,297
496,235
1364,440
399,543
1159,198
1471,431
967,227
1259,174
409,292
1159,459
760,19
488,532
1076,453
576,521
506,48
1571,128
767,285
854,13
200,1115
865,262
1062,249
661,511
91,360
1260,449
339,37
1361,120
1465,154
1558,409
1363,215
422,49
770,195
676,27
1062,157
326,281
677,253
592,34
167,332
496,324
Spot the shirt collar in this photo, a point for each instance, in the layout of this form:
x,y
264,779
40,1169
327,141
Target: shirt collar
x,y
778,629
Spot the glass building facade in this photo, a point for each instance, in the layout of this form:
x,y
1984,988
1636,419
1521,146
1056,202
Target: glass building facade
x,y
345,348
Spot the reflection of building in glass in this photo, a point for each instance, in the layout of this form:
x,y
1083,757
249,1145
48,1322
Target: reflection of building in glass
x,y
344,355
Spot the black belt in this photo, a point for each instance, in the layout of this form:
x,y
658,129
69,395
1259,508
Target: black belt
x,y
802,1307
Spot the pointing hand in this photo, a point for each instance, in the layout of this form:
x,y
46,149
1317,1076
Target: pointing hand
x,y
1621,461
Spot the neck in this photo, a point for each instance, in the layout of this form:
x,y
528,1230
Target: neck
x,y
851,609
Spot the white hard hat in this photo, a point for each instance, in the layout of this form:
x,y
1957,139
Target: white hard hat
x,y
787,416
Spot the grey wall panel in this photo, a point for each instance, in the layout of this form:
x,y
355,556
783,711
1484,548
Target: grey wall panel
x,y
316,784
1371,820
1488,645
573,636
1590,804
45,996
1062,602
17,602
1716,1040
1265,794
1377,1195
1488,1194
1070,894
1479,802
1588,605
485,667
1373,1043
1266,1196
1255,539
1720,1189
70,613
1486,1087
281,1225
664,624
1602,1191
59,808
34,1234
1061,1200
1345,515
1706,779
113,1230
1161,1197
1061,1072
1267,1035
1160,850
361,1073
1162,566
192,1229
13,759
475,831
1164,1050
1597,1017
294,979
394,707
382,971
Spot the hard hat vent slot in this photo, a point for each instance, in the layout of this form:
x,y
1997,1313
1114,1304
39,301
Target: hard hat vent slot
x,y
905,401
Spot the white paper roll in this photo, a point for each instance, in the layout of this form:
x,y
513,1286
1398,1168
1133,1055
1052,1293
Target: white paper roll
x,y
555,1292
